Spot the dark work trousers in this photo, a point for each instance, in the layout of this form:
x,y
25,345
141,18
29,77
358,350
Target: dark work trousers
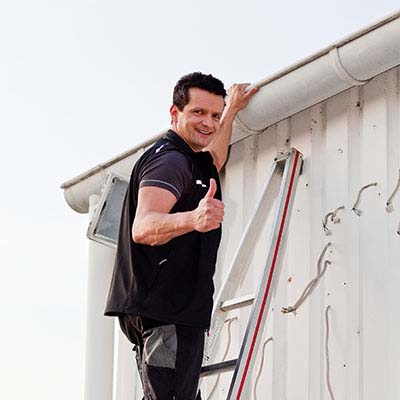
x,y
168,357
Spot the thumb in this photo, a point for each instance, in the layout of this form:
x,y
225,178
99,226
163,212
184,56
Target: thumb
x,y
212,189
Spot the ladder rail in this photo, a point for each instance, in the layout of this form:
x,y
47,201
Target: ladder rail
x,y
270,277
242,257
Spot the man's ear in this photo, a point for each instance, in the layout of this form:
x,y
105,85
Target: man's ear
x,y
173,112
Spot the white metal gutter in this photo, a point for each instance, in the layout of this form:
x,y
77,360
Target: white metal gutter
x,y
351,61
78,190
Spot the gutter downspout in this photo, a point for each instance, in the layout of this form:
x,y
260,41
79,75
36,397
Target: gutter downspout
x,y
99,343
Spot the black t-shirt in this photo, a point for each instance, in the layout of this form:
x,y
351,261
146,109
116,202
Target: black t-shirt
x,y
170,171
172,282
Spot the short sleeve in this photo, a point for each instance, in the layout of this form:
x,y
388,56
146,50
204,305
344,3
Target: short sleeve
x,y
170,170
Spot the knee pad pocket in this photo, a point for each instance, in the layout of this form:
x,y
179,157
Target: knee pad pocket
x,y
160,346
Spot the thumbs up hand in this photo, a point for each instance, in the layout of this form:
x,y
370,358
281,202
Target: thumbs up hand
x,y
210,212
212,189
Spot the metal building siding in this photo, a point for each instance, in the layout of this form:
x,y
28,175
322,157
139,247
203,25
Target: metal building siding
x,y
347,141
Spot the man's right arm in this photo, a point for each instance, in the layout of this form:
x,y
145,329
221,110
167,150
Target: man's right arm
x,y
154,225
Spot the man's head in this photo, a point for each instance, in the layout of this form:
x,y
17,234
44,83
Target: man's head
x,y
198,102
196,80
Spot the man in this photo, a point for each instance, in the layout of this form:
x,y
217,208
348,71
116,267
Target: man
x,y
170,231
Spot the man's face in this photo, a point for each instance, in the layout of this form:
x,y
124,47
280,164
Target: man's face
x,y
199,120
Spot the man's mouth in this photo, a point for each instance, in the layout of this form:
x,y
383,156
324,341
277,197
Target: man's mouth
x,y
204,132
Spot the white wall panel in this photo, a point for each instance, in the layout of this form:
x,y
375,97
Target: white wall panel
x,y
299,269
317,201
279,371
267,150
336,279
127,381
393,219
373,235
353,295
350,140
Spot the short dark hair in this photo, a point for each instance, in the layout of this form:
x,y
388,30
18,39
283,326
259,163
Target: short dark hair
x,y
196,80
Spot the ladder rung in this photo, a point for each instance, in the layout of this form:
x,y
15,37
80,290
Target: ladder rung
x,y
218,368
240,302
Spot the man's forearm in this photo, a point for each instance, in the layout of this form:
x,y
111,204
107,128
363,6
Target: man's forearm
x,y
155,225
219,146
157,228
237,100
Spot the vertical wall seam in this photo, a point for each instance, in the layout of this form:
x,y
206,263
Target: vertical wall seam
x,y
323,207
317,202
355,106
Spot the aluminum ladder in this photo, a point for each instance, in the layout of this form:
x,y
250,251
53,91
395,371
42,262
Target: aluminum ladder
x,y
281,186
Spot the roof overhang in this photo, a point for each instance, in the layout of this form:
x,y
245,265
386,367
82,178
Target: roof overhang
x,y
349,62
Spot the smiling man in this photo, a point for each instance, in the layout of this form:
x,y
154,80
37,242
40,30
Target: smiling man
x,y
170,231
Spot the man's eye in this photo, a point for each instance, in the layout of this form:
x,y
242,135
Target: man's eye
x,y
217,117
198,112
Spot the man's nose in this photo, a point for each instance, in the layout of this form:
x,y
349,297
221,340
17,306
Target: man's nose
x,y
207,121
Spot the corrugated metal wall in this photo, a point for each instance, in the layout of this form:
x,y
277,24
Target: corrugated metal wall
x,y
347,141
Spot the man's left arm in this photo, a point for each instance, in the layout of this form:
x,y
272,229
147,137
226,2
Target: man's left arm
x,y
237,100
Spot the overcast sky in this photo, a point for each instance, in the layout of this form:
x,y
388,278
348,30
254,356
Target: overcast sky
x,y
81,81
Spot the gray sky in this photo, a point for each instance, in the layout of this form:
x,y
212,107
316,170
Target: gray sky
x,y
81,81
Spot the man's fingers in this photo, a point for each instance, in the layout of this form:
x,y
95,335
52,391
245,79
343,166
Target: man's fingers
x,y
218,212
239,95
218,204
212,189
250,91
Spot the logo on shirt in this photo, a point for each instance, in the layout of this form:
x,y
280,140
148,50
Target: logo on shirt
x,y
199,182
159,148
